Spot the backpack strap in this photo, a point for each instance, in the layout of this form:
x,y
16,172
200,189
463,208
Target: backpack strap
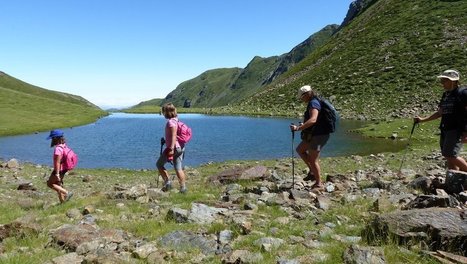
x,y
461,104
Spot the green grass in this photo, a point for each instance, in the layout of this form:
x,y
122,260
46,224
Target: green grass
x,y
25,108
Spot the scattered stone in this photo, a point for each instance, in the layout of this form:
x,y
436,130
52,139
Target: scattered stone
x,y
269,243
178,215
70,258
243,256
363,255
422,183
225,236
26,186
185,240
87,178
142,252
74,213
88,209
12,164
203,214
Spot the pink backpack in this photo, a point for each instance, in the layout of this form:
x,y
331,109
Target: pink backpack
x,y
69,159
183,133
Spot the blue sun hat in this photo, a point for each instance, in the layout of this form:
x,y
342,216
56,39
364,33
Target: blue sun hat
x,y
55,133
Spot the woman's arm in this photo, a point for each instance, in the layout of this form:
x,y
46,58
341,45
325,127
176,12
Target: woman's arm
x,y
173,134
310,122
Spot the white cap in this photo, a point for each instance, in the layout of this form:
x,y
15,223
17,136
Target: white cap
x,y
302,90
452,75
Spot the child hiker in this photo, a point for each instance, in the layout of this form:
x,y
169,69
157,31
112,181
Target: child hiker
x,y
173,151
55,181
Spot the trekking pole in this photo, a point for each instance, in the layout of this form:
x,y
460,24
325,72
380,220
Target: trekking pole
x,y
293,161
406,148
162,146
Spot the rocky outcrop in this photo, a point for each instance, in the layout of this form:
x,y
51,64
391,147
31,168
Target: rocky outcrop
x,y
355,9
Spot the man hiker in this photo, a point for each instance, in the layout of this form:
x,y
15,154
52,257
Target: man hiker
x,y
314,133
452,110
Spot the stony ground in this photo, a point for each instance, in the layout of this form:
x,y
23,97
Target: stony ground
x,y
238,212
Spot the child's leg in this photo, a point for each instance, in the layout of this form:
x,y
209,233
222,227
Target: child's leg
x,y
54,183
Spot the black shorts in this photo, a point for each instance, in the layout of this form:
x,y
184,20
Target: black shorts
x,y
450,143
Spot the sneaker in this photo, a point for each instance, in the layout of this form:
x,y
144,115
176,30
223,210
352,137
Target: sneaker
x,y
183,189
309,177
68,196
167,186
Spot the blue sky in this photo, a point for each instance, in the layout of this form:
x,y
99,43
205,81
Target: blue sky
x,y
121,52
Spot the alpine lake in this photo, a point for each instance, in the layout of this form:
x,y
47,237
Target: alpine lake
x,y
133,141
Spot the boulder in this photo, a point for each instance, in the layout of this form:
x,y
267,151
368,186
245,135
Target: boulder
x,y
456,182
439,228
427,201
240,173
185,240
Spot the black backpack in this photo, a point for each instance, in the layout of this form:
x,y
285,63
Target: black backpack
x,y
330,116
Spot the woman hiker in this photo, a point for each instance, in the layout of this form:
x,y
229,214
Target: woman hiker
x,y
55,180
314,134
453,128
173,152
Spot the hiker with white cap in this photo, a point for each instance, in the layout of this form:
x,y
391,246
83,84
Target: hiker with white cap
x,y
314,134
452,111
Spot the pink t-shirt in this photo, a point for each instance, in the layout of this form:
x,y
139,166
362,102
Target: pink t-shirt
x,y
58,151
168,136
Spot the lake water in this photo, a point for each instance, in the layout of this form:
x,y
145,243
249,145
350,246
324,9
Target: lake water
x,y
133,141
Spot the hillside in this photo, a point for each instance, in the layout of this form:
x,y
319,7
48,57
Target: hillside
x,y
382,64
208,89
25,108
221,87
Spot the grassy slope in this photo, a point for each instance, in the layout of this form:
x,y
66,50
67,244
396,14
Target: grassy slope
x,y
213,89
209,88
25,108
387,57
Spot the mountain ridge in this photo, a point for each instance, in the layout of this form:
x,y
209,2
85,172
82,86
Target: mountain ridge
x,y
380,63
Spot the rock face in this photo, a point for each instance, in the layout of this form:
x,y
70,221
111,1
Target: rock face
x,y
355,8
440,228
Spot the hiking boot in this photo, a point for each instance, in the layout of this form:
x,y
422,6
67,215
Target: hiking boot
x,y
68,196
309,177
183,189
167,186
